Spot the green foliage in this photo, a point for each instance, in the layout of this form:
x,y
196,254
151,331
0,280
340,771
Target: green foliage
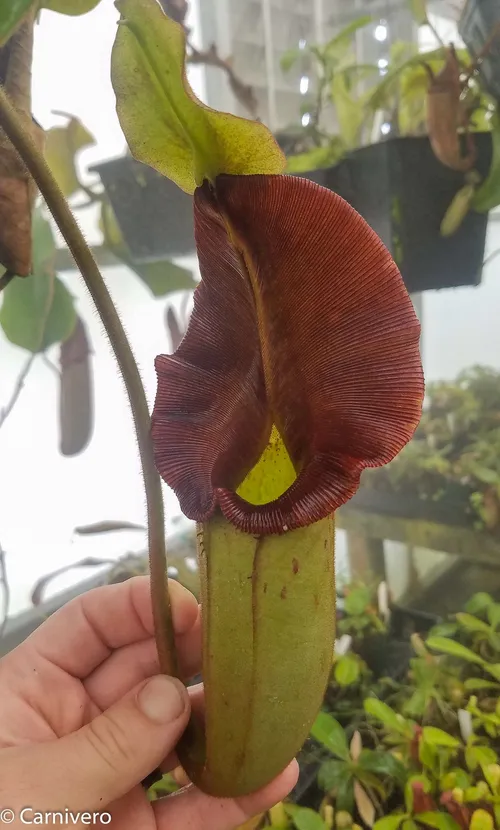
x,y
70,7
347,669
338,78
165,125
389,822
304,818
390,720
487,196
423,770
419,11
328,732
455,453
441,821
317,157
12,12
38,311
458,209
357,601
62,145
360,613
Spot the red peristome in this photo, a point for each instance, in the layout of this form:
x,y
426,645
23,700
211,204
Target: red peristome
x,y
301,319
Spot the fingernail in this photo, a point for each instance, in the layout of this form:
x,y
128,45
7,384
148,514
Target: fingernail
x,y
162,699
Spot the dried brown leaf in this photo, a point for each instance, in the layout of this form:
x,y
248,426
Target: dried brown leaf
x,y
366,808
17,190
356,746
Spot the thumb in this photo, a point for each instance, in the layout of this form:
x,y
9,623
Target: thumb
x,y
108,757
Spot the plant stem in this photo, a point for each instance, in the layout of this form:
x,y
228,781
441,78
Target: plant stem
x,y
14,128
18,388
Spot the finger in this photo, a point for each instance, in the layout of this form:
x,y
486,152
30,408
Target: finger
x,y
193,810
108,757
128,666
80,636
197,701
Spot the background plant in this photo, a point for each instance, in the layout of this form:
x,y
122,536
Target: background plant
x,y
455,454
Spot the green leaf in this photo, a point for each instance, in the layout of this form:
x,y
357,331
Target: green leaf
x,y
164,123
418,702
493,613
304,818
328,731
317,158
357,600
70,7
37,312
438,737
419,11
387,716
11,14
485,474
480,756
427,754
62,144
458,210
446,629
472,623
336,47
455,777
382,95
475,684
493,669
347,670
389,822
481,820
441,821
479,602
333,773
446,646
487,196
13,11
290,57
382,763
350,111
44,243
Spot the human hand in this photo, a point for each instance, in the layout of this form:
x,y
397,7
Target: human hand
x,y
85,717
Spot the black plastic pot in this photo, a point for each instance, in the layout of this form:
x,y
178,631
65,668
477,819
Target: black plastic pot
x,y
477,24
155,216
385,655
403,192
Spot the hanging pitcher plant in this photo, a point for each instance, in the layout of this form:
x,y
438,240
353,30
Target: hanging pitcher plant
x,y
299,369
